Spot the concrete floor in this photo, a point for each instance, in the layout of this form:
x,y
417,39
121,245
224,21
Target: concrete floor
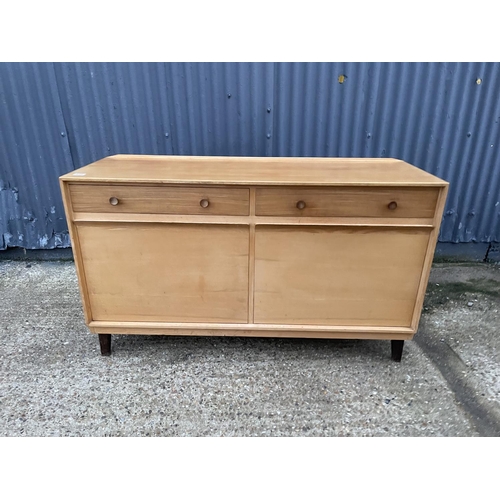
x,y
54,382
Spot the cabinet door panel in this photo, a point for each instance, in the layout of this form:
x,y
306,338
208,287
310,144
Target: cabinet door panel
x,y
337,275
166,272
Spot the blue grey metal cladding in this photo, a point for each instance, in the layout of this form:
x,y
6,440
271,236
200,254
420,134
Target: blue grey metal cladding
x,y
442,117
34,151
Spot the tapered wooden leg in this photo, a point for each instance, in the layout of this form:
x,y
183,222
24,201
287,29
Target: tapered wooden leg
x,y
105,342
397,349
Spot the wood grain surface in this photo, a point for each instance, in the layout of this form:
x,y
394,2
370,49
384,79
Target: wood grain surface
x,y
159,199
347,202
253,171
338,276
153,272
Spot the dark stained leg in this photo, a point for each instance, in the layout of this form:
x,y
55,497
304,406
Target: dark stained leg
x,y
397,349
105,342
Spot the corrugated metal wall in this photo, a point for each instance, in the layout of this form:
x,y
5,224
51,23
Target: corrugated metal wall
x,y
34,151
442,117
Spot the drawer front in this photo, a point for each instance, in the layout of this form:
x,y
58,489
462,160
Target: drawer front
x,y
347,202
159,199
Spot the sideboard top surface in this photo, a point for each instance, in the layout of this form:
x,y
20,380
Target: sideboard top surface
x,y
254,171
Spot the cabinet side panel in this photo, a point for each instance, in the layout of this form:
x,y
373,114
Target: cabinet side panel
x,y
431,248
361,276
75,246
251,259
166,272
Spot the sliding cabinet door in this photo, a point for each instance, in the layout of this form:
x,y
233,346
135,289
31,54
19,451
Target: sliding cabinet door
x,y
166,272
324,275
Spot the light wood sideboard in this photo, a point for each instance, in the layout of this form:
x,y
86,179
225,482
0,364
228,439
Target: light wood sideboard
x,y
265,247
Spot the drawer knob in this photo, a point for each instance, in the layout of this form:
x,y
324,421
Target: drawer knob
x,y
113,201
301,205
204,203
392,205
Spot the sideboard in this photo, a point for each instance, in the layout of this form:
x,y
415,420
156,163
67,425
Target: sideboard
x,y
272,247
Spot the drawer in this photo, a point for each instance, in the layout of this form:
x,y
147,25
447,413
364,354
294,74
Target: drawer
x,y
111,198
347,202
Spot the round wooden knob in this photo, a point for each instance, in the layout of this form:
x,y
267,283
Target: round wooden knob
x,y
301,205
204,203
392,205
113,201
